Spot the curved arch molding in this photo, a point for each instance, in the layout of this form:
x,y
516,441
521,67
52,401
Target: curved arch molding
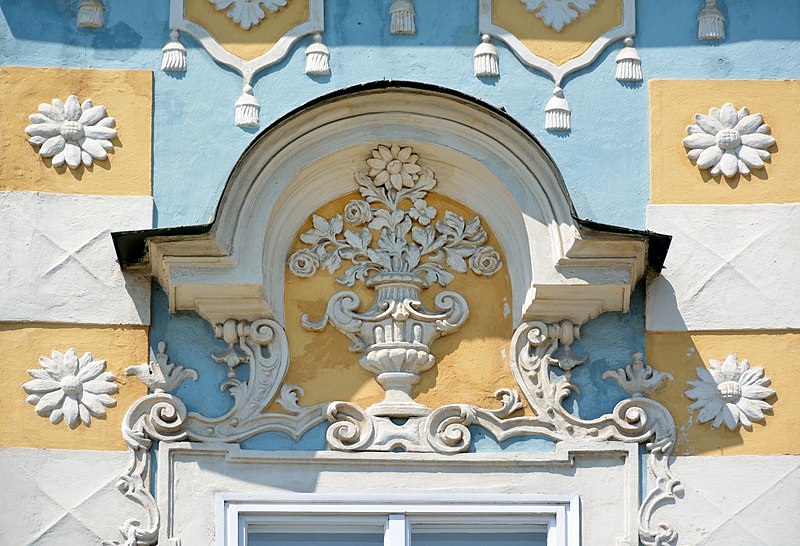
x,y
561,268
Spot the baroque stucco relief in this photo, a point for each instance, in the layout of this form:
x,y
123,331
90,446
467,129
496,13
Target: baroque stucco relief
x,y
559,275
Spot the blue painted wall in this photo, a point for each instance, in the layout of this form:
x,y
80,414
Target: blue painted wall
x,y
604,159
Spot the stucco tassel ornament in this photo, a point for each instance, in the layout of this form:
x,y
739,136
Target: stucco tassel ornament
x,y
317,58
486,61
556,112
247,108
90,13
629,63
402,17
711,22
173,55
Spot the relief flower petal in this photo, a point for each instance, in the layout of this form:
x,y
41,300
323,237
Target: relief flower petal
x,y
758,140
709,157
708,124
52,146
728,115
749,124
699,140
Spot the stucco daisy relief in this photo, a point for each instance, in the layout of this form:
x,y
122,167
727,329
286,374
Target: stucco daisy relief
x,y
730,393
70,388
72,132
729,142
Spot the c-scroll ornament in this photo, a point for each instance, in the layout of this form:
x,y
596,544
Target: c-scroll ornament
x,y
398,245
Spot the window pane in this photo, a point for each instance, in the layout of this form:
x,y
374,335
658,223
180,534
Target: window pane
x,y
317,537
476,537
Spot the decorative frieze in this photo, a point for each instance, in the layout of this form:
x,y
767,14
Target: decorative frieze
x,y
730,392
71,388
729,142
72,132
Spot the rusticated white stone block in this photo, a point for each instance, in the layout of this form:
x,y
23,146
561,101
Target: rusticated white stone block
x,y
58,496
736,500
729,267
59,263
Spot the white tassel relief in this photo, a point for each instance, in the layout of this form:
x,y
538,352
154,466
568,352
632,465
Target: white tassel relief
x,y
317,58
173,55
557,112
402,12
629,63
711,22
90,13
247,108
485,59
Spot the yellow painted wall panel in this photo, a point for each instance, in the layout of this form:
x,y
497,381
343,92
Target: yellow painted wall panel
x,y
562,46
675,179
127,96
776,351
472,363
23,344
258,39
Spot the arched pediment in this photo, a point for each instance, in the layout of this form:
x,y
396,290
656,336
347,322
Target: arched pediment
x,y
559,268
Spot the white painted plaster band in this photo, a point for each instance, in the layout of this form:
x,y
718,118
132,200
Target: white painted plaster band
x,y
729,267
59,264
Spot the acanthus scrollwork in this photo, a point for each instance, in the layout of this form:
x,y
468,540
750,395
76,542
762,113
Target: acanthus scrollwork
x,y
412,251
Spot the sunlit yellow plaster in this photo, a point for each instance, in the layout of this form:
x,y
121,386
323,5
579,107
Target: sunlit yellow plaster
x,y
247,44
21,346
557,47
127,96
776,351
675,179
472,362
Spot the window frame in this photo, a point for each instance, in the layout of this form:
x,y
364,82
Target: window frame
x,y
240,514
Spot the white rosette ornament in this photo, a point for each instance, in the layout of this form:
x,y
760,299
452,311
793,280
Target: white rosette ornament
x,y
72,132
730,392
72,389
729,142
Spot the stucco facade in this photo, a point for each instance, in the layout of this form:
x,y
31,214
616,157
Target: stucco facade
x,y
393,267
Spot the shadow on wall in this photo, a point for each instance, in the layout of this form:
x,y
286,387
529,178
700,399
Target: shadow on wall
x,y
132,24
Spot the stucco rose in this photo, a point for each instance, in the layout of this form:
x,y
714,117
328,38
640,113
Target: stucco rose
x,y
303,263
357,212
485,261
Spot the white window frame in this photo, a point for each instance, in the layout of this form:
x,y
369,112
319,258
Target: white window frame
x,y
240,514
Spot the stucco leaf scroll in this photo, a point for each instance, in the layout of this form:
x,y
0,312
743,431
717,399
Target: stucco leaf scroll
x,y
558,13
394,242
248,13
397,245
